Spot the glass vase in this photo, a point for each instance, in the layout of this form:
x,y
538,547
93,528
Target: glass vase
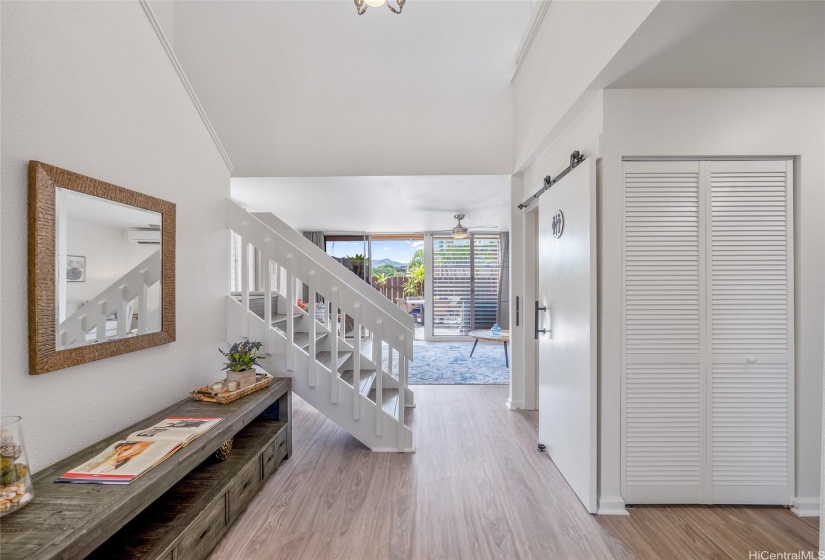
x,y
16,488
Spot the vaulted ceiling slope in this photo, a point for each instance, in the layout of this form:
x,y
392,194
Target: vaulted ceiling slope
x,y
309,88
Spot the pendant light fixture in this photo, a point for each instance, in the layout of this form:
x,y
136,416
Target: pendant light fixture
x,y
362,5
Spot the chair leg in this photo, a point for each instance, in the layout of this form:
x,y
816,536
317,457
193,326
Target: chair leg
x,y
506,359
474,348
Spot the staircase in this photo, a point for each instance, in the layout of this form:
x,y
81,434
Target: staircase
x,y
348,357
91,319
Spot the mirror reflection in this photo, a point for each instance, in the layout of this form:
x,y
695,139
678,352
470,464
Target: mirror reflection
x,y
108,270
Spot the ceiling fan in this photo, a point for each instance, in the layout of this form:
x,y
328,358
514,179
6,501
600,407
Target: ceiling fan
x,y
460,231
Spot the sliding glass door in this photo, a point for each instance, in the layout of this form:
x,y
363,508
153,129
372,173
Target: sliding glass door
x,y
352,251
466,275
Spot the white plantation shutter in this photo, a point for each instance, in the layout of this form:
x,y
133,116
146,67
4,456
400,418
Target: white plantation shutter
x,y
751,330
663,328
452,286
486,274
708,332
466,274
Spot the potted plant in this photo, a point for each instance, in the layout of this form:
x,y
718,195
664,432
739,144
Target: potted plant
x,y
241,360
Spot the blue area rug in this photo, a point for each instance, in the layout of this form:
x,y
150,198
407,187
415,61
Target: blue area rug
x,y
449,363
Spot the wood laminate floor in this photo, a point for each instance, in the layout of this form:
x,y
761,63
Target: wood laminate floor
x,y
476,488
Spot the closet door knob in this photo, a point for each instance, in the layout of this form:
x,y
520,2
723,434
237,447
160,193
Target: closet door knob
x,y
751,359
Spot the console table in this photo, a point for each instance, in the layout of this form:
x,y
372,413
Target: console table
x,y
178,510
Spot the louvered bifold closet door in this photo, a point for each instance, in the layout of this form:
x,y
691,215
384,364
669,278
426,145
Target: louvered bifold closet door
x,y
664,333
750,296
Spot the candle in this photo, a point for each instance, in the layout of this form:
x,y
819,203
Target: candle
x,y
232,385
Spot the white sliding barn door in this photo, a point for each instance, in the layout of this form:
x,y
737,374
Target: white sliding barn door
x,y
663,420
750,299
708,332
567,352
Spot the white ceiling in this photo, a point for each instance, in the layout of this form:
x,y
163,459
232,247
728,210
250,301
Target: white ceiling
x,y
309,88
378,204
724,44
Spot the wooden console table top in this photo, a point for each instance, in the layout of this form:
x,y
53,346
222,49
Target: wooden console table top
x,y
72,520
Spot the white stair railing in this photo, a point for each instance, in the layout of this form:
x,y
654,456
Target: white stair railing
x,y
345,295
118,297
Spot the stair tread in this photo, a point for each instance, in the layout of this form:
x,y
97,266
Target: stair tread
x,y
281,317
302,339
325,357
367,377
390,404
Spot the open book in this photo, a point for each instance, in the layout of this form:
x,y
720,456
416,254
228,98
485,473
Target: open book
x,y
124,461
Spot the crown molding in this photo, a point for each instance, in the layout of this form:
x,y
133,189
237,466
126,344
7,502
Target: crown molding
x,y
530,34
185,81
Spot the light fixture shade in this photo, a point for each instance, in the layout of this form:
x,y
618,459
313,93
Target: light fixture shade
x,y
460,232
375,3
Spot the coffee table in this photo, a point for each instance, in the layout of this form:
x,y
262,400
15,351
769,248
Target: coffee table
x,y
488,336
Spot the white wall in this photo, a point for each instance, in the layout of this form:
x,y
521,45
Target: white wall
x,y
575,42
87,86
725,122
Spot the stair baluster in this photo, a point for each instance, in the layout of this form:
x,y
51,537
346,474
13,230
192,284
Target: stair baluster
x,y
333,364
379,381
245,281
313,331
402,383
290,321
356,364
269,339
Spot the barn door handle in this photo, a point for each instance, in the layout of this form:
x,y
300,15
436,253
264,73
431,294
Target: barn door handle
x,y
536,321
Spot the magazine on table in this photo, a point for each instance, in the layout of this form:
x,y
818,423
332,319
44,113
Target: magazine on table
x,y
124,461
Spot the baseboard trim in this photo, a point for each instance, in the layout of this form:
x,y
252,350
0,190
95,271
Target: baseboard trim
x,y
806,507
612,505
514,405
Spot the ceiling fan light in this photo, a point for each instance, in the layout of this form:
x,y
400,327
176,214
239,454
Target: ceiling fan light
x,y
460,232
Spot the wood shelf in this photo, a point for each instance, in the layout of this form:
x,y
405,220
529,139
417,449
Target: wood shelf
x,y
72,520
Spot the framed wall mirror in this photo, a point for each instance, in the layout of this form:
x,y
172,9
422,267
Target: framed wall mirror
x,y
101,269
